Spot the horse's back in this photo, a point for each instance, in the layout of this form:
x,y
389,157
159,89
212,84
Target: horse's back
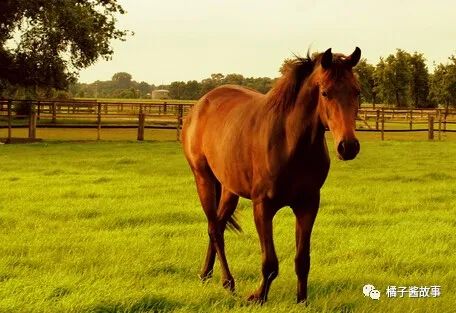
x,y
223,99
214,110
213,128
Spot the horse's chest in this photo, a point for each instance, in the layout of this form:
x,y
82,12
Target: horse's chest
x,y
298,178
305,176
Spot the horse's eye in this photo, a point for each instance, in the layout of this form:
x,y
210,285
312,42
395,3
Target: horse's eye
x,y
357,92
324,94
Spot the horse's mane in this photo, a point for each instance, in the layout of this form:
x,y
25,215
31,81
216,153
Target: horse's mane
x,y
285,91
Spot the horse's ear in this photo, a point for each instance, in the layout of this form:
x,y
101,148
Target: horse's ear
x,y
327,59
353,59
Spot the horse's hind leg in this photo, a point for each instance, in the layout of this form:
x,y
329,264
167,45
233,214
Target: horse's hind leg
x,y
208,267
226,208
206,272
209,193
218,208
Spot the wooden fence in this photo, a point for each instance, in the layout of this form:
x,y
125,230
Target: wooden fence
x,y
92,114
407,120
169,115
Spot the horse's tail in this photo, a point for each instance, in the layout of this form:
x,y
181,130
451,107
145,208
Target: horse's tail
x,y
233,224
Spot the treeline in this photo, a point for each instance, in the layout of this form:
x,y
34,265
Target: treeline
x,y
403,80
122,86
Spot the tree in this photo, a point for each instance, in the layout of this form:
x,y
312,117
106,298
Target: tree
x,y
54,39
234,79
192,90
207,84
144,89
394,76
176,90
419,84
129,93
121,80
380,87
261,84
217,78
443,84
366,78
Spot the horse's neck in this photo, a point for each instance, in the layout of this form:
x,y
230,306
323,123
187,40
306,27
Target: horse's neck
x,y
284,133
303,126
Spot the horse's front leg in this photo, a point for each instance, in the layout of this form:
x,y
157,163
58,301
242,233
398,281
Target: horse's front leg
x,y
305,216
263,214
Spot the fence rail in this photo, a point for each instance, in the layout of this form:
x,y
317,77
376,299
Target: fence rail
x,y
169,115
409,120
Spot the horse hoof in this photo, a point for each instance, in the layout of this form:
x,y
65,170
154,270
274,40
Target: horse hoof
x,y
204,277
229,284
254,298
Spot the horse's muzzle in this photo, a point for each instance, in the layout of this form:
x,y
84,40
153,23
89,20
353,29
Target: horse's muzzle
x,y
348,149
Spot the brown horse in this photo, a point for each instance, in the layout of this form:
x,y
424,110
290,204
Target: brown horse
x,y
271,149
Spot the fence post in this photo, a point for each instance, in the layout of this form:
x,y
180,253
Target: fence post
x,y
445,119
98,120
32,125
38,110
54,112
430,127
440,125
179,121
376,119
141,120
10,116
411,119
383,124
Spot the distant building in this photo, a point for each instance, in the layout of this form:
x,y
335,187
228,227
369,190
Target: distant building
x,y
160,94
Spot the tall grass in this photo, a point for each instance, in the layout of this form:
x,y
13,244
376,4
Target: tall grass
x,y
117,227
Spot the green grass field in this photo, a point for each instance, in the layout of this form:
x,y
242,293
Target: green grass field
x,y
117,227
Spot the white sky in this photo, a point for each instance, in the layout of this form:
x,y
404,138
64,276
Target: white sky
x,y
190,39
